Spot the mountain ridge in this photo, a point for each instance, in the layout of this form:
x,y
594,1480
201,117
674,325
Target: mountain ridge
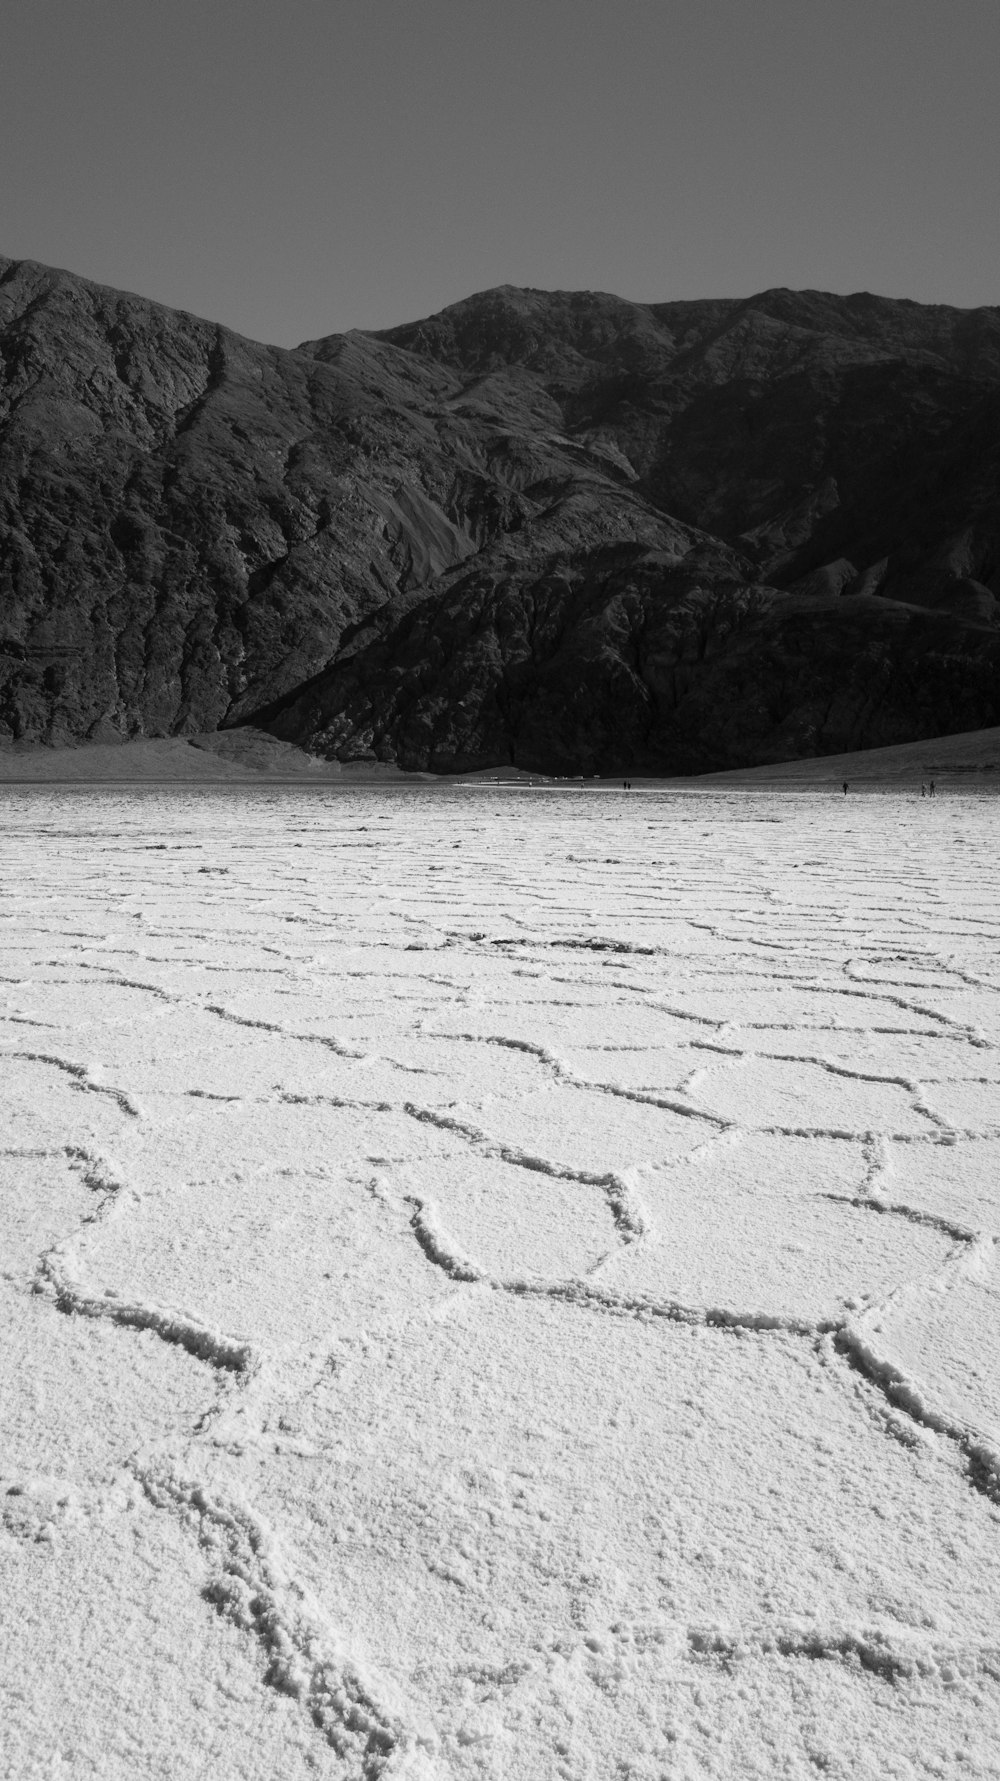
x,y
559,530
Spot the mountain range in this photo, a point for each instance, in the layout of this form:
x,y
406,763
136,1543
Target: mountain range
x,y
554,530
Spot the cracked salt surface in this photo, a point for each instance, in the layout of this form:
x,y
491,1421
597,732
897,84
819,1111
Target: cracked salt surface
x,y
497,1286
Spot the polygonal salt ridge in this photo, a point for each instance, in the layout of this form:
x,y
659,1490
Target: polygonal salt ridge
x,y
56,1274
252,1587
328,1042
443,1252
100,1173
855,1337
558,1070
779,1067
85,1078
111,975
618,1189
874,1192
963,1031
690,1103
892,1653
58,1271
980,1451
361,1714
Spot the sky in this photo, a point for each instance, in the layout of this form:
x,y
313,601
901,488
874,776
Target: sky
x,y
294,168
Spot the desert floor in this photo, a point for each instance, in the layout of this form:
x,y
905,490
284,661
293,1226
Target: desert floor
x,y
499,1283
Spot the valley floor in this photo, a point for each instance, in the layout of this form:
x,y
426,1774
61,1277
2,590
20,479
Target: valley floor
x,y
499,1284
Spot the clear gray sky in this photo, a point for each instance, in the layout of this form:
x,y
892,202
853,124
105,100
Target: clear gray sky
x,y
295,167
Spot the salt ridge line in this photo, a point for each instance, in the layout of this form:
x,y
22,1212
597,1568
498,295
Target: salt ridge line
x,y
871,1197
961,1029
349,1053
971,1259
800,976
267,1619
899,1209
844,1336
561,1072
913,1086
440,1249
195,1005
948,1137
83,1077
857,991
57,1274
945,1132
253,1588
982,1456
963,977
894,1656
618,1191
116,980
790,1026
337,1046
294,971
361,1716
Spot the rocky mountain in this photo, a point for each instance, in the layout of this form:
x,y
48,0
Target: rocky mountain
x,y
559,530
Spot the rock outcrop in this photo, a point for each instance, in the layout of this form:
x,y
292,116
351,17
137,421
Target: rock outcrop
x,y
558,530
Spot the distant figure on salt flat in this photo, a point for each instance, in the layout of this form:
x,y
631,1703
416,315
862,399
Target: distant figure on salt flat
x,y
923,791
932,788
845,788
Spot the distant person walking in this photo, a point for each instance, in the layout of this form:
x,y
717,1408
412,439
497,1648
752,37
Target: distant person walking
x,y
932,788
845,788
923,791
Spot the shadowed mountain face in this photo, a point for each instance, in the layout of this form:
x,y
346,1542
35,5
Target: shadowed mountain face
x,y
555,529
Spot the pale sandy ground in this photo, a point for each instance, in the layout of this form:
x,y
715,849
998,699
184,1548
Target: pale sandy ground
x,y
222,757
971,758
250,756
498,1285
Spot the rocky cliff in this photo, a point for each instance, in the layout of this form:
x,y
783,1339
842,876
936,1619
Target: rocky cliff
x,y
559,530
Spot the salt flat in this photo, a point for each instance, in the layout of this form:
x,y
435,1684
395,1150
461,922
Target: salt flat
x,y
499,1283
